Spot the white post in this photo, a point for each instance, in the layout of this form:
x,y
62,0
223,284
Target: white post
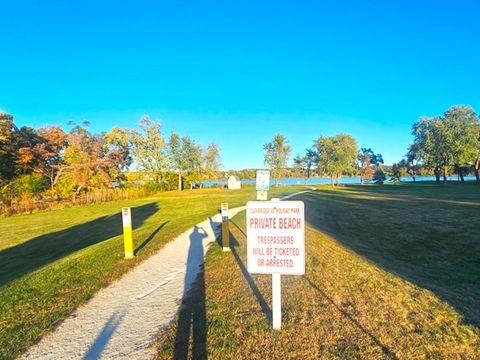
x,y
276,301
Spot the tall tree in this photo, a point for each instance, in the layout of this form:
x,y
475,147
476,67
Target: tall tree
x,y
277,154
184,157
336,155
8,149
212,163
149,148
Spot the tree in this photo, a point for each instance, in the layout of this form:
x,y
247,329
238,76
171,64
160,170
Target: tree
x,y
184,157
148,148
366,158
460,137
212,163
446,141
426,147
45,156
303,164
277,154
336,155
379,176
8,149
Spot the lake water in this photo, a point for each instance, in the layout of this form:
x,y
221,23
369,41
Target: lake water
x,y
324,181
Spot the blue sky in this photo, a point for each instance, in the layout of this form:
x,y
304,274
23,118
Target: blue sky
x,y
237,72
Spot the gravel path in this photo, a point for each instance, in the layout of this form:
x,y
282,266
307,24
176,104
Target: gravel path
x,y
122,319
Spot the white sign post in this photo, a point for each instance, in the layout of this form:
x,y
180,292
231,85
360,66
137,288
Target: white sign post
x,y
276,244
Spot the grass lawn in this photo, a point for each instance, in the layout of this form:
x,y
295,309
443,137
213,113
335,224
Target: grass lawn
x,y
52,262
391,272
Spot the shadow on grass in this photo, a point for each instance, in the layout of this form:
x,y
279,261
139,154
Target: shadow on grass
x,y
384,348
432,244
150,238
33,254
251,283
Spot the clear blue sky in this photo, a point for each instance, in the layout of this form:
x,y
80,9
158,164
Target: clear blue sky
x,y
237,72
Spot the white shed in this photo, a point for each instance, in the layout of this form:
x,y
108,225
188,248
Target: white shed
x,y
234,183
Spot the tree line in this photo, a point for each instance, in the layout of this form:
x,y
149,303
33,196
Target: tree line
x,y
55,163
442,145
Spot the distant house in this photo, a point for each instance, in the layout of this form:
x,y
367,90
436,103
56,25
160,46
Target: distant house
x,y
234,183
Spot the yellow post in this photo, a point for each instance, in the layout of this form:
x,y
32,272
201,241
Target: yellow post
x,y
127,232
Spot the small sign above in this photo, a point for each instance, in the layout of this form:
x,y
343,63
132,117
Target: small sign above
x,y
262,180
224,210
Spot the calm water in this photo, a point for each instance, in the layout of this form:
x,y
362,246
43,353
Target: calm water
x,y
323,181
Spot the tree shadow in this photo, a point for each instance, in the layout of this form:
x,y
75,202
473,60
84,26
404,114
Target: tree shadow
x,y
33,254
191,333
432,244
150,238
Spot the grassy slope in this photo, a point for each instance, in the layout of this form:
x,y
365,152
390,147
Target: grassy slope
x,y
52,262
378,289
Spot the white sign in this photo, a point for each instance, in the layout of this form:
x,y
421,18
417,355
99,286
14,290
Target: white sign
x,y
224,210
126,217
263,180
276,237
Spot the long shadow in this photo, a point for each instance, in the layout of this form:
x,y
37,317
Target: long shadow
x,y
103,338
384,348
434,245
192,317
150,238
33,254
251,283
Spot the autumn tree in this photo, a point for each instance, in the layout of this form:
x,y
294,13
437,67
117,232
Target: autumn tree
x,y
277,154
336,155
45,156
367,158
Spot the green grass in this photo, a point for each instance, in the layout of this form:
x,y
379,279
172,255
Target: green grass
x,y
52,262
391,272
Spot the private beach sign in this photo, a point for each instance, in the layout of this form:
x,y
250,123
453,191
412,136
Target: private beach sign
x,y
276,237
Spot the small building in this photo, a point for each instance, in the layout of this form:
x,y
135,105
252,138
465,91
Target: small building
x,y
233,183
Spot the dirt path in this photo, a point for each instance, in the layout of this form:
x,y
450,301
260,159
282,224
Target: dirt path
x,y
122,319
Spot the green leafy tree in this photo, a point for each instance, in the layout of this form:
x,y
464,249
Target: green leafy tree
x,y
149,148
303,165
446,141
8,148
184,157
277,154
379,176
212,163
336,155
